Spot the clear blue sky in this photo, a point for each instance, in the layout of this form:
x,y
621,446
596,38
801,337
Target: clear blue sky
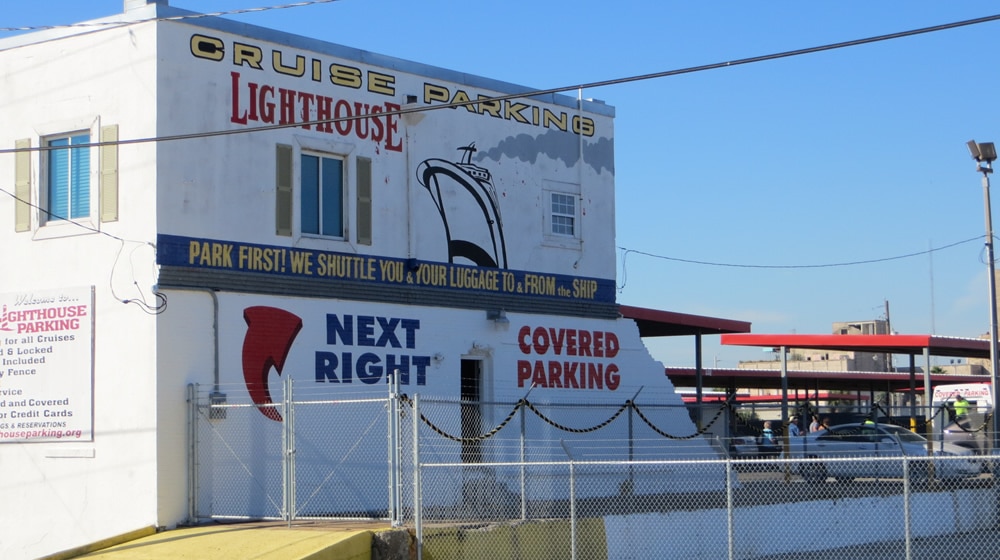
x,y
855,154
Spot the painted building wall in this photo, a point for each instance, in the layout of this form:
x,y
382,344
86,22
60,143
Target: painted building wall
x,y
72,490
223,188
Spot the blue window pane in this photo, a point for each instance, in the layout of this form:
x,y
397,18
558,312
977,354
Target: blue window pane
x,y
59,180
333,198
322,195
80,179
69,178
310,194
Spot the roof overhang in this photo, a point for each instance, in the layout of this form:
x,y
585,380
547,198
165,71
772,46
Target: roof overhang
x,y
914,344
812,380
653,322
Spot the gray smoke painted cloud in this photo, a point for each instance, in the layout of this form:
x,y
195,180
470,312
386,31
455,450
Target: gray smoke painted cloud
x,y
557,145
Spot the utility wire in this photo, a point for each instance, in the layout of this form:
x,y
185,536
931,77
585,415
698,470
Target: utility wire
x,y
626,252
167,18
535,93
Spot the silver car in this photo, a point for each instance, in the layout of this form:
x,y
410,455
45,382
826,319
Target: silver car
x,y
865,450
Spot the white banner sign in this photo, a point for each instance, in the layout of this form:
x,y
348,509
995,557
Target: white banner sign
x,y
46,366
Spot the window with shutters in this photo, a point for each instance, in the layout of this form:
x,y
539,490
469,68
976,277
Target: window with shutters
x,y
68,182
67,177
321,195
322,191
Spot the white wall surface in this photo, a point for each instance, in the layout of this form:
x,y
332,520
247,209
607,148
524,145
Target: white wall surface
x,y
61,495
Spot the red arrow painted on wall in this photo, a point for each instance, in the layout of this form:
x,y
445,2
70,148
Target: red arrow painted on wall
x,y
270,333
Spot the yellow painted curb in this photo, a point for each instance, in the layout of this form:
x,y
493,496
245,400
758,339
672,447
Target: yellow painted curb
x,y
245,541
102,544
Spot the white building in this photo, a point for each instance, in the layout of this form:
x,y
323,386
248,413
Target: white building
x,y
249,202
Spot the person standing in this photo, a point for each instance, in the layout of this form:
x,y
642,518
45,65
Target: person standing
x,y
815,426
793,427
768,444
961,406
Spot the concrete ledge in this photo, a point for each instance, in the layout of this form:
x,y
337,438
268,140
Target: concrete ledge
x,y
247,540
102,544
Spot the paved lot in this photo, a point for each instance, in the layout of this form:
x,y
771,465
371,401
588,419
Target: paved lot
x,y
967,546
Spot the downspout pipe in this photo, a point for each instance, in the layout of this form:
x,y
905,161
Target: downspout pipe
x,y
216,393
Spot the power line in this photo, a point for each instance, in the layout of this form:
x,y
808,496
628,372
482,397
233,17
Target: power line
x,y
533,93
796,266
168,18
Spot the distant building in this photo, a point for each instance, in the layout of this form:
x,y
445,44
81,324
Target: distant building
x,y
804,359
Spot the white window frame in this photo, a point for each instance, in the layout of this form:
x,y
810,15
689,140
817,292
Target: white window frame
x,y
556,212
330,149
344,190
549,189
43,225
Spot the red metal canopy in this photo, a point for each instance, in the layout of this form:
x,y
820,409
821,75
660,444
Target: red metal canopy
x,y
878,343
653,322
827,380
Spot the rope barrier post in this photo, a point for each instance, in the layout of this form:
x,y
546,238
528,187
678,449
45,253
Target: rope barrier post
x,y
523,455
631,440
572,501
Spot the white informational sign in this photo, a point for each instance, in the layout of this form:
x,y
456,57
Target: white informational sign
x,y
46,366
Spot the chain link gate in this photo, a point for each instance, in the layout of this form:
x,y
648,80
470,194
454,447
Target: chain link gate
x,y
311,458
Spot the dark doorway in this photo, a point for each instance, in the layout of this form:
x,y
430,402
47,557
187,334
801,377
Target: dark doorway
x,y
472,414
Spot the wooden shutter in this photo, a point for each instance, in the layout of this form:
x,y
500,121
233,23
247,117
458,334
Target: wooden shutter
x,y
283,188
364,201
22,186
109,174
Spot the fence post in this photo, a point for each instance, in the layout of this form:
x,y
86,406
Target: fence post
x,y
523,457
730,528
906,506
288,435
192,396
418,502
572,502
395,515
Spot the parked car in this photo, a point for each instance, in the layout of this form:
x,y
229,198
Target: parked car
x,y
743,447
861,441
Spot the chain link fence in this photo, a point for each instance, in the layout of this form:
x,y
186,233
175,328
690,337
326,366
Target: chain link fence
x,y
598,480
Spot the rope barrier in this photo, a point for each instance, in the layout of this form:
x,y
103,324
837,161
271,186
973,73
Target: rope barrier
x,y
524,403
564,428
697,433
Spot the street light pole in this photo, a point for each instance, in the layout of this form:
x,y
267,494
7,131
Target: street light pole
x,y
985,154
